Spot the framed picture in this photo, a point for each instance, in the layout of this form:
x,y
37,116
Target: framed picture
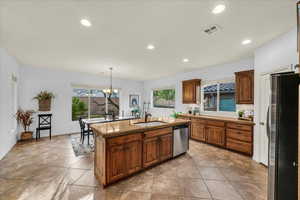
x,y
133,100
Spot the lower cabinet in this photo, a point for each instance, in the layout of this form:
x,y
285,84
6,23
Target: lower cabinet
x,y
215,135
124,159
198,132
157,149
116,159
166,147
150,151
227,134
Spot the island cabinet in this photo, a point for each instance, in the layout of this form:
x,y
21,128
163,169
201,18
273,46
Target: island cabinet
x,y
118,157
190,91
228,133
244,84
157,146
124,156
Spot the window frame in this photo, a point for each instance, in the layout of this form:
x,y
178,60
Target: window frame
x,y
163,88
90,88
218,82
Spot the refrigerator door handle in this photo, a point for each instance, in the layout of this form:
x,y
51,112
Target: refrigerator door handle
x,y
268,123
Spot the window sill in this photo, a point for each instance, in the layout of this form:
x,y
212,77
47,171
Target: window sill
x,y
219,113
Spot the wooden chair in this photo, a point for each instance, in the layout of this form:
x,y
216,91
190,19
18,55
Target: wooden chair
x,y
84,131
44,124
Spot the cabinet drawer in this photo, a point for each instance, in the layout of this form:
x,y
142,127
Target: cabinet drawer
x,y
239,135
215,123
158,132
124,139
195,120
239,126
240,146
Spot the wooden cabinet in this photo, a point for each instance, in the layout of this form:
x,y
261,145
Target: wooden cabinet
x,y
215,135
116,163
124,156
236,136
190,91
198,131
157,146
239,138
150,151
166,147
244,87
133,156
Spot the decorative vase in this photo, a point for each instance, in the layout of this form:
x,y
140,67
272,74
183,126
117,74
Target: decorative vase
x,y
45,105
26,135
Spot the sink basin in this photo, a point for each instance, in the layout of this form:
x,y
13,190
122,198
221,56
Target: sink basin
x,y
146,124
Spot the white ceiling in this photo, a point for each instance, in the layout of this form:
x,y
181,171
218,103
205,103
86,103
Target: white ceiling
x,y
48,33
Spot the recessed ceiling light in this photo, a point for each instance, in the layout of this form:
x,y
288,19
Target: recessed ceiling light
x,y
245,42
85,22
185,60
219,9
150,47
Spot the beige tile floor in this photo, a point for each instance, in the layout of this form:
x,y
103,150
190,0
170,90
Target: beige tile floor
x,y
49,170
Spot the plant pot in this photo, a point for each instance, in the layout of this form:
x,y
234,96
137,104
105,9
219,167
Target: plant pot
x,y
26,135
45,105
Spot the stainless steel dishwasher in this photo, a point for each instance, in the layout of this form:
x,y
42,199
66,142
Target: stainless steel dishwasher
x,y
180,139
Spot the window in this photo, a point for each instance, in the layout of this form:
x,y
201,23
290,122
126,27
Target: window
x,y
164,98
93,103
219,97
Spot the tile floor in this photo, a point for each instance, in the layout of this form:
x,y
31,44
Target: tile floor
x,y
49,170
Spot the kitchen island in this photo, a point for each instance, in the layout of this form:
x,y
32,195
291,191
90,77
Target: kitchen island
x,y
126,147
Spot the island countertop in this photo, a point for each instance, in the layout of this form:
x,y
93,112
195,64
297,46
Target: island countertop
x,y
119,128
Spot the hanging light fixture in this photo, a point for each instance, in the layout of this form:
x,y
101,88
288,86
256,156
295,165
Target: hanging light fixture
x,y
110,90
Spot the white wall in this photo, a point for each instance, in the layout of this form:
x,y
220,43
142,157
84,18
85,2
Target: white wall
x,y
219,72
8,133
33,80
280,52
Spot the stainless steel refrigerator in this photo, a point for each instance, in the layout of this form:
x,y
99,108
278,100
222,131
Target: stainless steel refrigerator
x,y
283,136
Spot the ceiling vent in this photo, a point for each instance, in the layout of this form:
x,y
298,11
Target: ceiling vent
x,y
212,29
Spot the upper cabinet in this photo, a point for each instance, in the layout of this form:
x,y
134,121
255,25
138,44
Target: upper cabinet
x,y
190,91
244,82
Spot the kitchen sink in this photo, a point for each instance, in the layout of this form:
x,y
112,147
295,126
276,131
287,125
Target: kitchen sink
x,y
152,123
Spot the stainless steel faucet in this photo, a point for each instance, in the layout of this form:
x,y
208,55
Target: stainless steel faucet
x,y
146,116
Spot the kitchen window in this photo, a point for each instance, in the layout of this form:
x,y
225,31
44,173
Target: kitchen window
x,y
219,97
164,98
94,103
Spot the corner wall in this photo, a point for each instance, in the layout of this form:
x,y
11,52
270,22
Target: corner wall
x,y
8,132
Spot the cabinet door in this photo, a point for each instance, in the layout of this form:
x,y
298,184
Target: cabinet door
x,y
150,151
215,135
133,156
166,146
198,131
245,87
188,92
116,162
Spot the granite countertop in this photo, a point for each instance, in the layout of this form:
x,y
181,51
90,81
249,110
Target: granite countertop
x,y
227,119
118,128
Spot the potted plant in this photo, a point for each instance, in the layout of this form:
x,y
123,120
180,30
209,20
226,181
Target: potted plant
x,y
44,98
241,113
25,119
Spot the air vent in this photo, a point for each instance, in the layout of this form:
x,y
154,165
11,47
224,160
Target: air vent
x,y
212,29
